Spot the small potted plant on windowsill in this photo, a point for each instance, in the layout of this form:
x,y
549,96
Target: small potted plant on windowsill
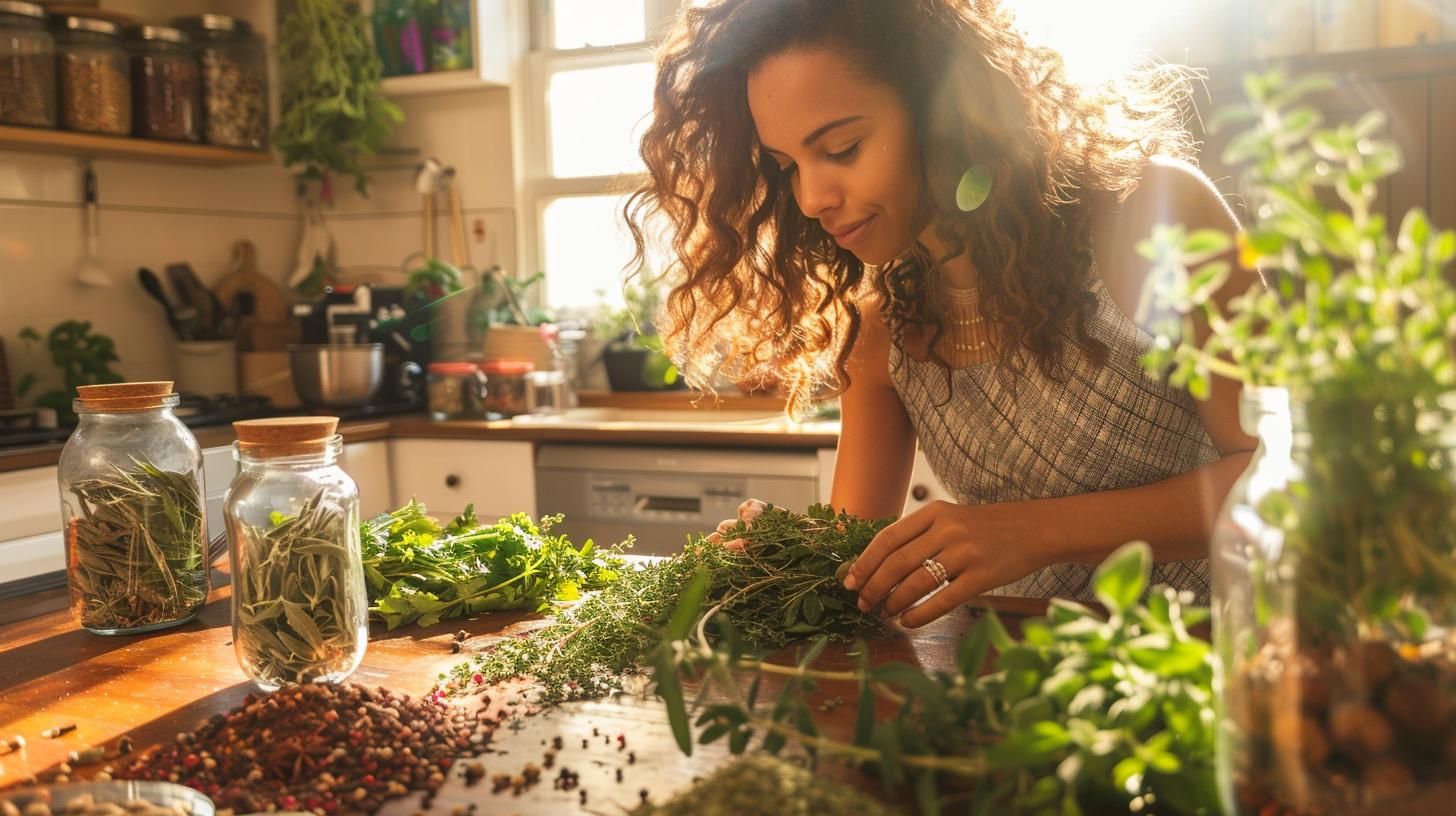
x,y
633,353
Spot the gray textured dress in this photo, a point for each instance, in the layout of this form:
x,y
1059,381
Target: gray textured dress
x,y
1103,429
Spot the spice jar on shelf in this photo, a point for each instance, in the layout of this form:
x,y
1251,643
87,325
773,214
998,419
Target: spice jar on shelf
x,y
507,389
27,66
457,391
300,612
166,85
95,77
132,509
234,79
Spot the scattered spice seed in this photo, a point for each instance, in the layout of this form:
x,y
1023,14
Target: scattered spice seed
x,y
90,756
52,733
461,635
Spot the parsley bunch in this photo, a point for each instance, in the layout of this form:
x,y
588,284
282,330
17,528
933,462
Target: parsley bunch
x,y
417,570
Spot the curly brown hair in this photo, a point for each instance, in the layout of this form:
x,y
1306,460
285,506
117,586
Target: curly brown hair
x,y
762,291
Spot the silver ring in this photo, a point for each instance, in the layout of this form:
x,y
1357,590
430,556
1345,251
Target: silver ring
x,y
936,570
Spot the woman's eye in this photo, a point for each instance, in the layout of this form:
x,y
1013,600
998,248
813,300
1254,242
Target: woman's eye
x,y
845,154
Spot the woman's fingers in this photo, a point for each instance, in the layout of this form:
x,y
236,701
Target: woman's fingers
x,y
884,546
960,590
919,583
750,510
894,569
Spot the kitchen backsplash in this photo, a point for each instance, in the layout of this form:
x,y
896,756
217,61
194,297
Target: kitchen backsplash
x,y
155,214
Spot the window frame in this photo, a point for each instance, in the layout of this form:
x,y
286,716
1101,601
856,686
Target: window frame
x,y
537,188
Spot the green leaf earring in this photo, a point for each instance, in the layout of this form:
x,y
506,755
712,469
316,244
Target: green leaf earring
x,y
975,186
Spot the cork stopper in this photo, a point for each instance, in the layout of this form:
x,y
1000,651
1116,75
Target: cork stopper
x,y
124,397
285,436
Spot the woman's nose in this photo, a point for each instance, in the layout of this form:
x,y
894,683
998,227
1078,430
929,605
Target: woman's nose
x,y
817,193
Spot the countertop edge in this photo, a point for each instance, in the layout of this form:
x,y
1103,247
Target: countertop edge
x,y
419,427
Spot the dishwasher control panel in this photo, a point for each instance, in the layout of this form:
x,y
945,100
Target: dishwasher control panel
x,y
690,500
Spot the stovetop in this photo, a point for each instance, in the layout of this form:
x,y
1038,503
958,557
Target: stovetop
x,y
199,411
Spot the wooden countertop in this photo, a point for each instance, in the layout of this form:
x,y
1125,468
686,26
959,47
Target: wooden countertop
x,y
694,434
153,686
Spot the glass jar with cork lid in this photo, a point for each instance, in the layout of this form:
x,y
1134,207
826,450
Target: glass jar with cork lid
x,y
234,66
131,506
299,606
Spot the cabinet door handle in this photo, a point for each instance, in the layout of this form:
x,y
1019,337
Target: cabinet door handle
x,y
452,480
919,492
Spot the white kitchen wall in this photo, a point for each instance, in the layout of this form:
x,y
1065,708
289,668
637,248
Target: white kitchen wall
x,y
153,214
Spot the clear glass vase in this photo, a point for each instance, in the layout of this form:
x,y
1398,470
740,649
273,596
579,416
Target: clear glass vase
x,y
132,505
300,609
1334,567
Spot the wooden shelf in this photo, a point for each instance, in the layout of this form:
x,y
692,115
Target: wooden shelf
x,y
437,83
86,145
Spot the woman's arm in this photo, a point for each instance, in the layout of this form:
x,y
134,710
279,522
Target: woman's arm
x,y
876,440
986,546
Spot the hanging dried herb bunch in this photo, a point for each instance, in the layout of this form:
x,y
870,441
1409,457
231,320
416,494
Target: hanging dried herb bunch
x,y
137,548
293,611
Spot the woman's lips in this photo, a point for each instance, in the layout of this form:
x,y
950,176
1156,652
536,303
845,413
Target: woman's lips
x,y
855,232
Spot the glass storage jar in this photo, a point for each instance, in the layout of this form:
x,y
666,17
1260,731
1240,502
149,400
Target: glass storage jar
x,y
27,66
95,77
299,608
132,509
166,87
507,391
234,80
457,391
548,395
1334,594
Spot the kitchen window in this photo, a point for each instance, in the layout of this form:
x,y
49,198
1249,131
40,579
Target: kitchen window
x,y
590,75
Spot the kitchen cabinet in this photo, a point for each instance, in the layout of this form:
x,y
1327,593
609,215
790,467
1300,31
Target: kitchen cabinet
x,y
447,474
368,464
30,530
925,486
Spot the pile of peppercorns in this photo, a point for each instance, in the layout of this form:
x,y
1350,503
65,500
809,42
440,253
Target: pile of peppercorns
x,y
328,749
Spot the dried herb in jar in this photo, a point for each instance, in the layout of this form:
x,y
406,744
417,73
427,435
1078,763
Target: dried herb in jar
x,y
28,90
294,621
96,94
137,548
235,101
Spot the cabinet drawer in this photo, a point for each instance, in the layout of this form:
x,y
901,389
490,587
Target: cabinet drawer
x,y
367,463
445,474
30,503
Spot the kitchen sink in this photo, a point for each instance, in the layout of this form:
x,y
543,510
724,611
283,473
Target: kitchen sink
x,y
637,417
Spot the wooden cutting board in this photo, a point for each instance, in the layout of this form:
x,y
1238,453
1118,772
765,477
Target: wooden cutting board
x,y
270,303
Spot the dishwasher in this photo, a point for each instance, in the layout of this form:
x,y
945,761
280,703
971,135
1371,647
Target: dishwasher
x,y
664,495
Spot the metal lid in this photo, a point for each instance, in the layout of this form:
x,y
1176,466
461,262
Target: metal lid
x,y
212,22
162,33
22,9
93,25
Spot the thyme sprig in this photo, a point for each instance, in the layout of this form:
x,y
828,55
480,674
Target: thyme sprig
x,y
780,587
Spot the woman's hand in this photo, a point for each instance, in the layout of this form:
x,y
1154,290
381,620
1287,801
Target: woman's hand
x,y
747,512
976,544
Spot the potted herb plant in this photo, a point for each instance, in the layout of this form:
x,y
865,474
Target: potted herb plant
x,y
83,357
633,353
1335,558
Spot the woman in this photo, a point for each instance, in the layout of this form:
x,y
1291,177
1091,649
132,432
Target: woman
x,y
805,157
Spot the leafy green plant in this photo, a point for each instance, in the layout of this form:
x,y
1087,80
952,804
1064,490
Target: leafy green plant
x,y
433,279
418,570
84,358
334,114
628,329
1358,327
1084,713
781,587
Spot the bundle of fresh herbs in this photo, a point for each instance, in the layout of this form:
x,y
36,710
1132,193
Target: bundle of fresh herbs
x,y
137,546
780,587
420,571
297,619
1084,714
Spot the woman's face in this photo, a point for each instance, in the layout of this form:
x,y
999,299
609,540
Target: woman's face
x,y
848,146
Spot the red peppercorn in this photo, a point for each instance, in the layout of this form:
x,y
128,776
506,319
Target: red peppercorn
x,y
478,678
368,779
288,803
190,761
